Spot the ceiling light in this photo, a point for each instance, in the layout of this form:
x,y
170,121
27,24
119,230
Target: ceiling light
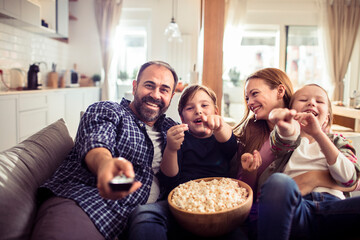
x,y
172,30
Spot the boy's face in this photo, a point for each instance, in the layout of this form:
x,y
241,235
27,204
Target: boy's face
x,y
200,104
312,99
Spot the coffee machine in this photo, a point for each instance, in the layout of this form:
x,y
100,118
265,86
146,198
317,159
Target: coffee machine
x,y
33,77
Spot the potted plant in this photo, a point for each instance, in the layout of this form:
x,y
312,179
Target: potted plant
x,y
96,79
234,76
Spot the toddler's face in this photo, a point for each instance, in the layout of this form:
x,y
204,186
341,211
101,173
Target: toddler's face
x,y
200,104
312,99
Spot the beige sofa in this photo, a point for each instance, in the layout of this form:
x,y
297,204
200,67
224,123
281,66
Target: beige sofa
x,y
23,168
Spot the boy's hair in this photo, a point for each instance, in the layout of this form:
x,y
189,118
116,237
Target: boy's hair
x,y
328,101
189,93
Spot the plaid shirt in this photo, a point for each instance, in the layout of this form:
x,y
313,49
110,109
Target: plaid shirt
x,y
115,127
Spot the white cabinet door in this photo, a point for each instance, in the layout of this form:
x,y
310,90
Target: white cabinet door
x,y
31,122
30,13
73,107
91,95
8,123
62,21
11,8
56,106
32,113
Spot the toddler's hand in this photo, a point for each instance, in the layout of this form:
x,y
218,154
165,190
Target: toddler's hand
x,y
308,123
283,118
251,162
175,136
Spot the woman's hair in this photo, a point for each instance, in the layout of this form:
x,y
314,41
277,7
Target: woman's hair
x,y
189,93
330,116
252,134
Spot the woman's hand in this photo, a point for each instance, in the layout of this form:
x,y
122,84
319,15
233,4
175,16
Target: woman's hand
x,y
251,162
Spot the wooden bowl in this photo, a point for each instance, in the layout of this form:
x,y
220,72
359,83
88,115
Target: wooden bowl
x,y
215,223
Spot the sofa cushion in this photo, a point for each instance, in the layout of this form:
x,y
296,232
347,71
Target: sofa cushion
x,y
23,168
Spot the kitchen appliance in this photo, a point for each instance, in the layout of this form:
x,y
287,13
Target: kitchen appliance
x,y
34,69
17,78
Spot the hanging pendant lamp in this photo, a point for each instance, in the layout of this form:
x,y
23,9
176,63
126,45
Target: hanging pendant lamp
x,y
172,30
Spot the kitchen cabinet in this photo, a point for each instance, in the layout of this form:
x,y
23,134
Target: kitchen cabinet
x,y
8,116
20,13
28,15
11,8
62,18
24,113
32,114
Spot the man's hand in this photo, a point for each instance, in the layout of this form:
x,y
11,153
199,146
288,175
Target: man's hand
x,y
105,167
111,169
251,162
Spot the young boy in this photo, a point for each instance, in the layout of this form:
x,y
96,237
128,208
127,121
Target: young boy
x,y
200,147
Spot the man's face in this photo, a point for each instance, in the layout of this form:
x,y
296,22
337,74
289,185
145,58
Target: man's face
x,y
153,93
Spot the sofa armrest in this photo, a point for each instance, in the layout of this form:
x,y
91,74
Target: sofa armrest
x,y
23,168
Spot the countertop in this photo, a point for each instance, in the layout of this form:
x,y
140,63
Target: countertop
x,y
346,111
40,90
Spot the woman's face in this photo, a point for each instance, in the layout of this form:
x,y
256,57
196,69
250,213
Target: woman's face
x,y
261,99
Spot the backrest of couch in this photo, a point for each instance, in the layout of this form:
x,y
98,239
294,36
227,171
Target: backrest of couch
x,y
23,168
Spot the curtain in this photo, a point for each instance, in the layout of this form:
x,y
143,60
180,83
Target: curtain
x,y
235,11
107,13
339,24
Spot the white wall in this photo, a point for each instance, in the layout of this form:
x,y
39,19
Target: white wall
x,y
84,48
19,49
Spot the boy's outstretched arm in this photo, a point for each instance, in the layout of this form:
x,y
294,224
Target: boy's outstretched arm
x,y
175,137
222,131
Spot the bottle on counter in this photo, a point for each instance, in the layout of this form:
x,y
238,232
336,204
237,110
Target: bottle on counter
x,y
74,77
53,77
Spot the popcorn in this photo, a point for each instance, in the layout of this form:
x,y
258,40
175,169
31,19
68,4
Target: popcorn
x,y
209,196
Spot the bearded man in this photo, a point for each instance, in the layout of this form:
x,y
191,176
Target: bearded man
x,y
112,139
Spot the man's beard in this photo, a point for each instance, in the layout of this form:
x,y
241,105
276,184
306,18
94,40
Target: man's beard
x,y
146,114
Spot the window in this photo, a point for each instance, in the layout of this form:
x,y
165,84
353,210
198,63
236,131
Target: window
x,y
304,61
258,49
261,48
130,49
131,52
